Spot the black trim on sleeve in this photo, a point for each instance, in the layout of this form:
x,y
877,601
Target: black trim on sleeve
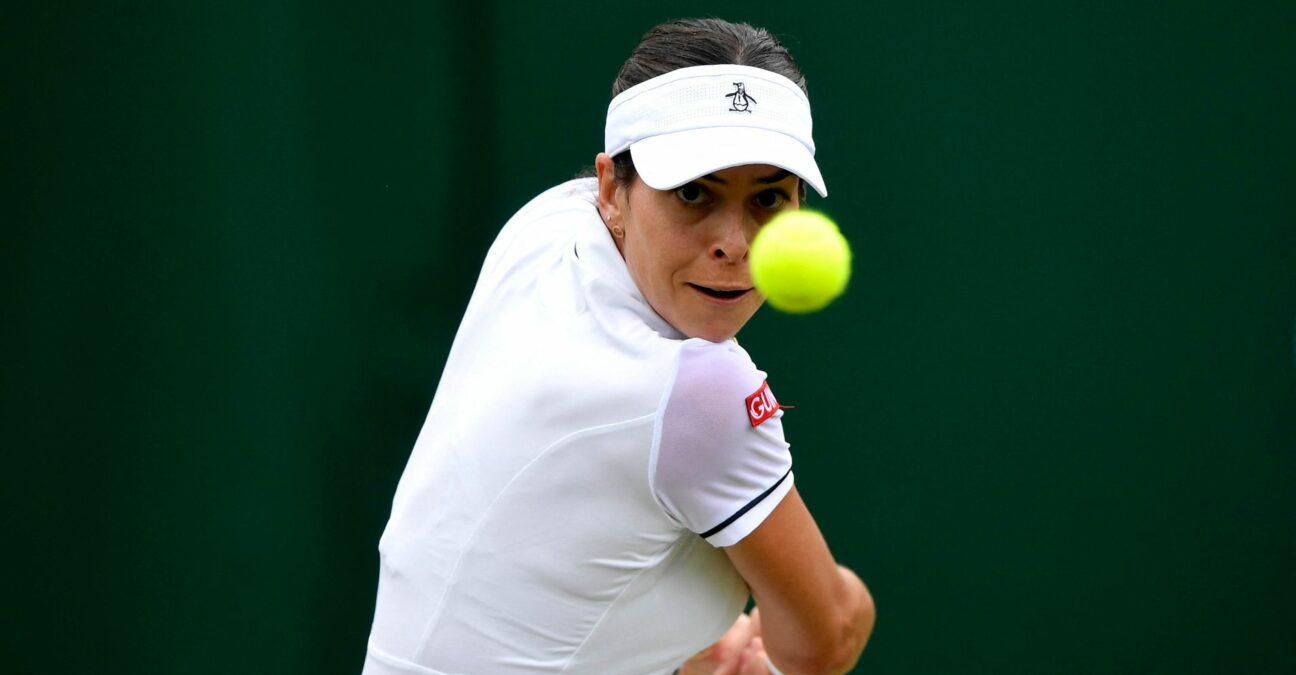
x,y
728,521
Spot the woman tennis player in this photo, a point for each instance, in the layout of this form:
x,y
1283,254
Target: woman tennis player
x,y
602,482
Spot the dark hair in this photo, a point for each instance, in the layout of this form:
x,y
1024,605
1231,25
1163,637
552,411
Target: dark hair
x,y
705,42
699,42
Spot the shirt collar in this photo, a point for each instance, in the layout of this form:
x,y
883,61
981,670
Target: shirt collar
x,y
609,281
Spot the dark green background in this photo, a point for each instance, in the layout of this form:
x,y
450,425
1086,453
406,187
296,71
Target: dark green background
x,y
1052,424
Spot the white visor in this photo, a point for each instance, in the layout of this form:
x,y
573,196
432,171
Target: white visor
x,y
695,121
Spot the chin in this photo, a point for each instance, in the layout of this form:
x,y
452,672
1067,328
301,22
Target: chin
x,y
716,337
712,332
713,325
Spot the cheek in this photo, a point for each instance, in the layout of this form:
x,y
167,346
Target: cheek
x,y
674,260
658,254
643,259
664,246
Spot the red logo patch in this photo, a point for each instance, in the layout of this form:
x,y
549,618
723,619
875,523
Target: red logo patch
x,y
761,405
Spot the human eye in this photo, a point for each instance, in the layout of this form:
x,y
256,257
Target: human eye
x,y
770,200
692,193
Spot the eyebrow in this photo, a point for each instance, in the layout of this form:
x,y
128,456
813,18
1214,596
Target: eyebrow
x,y
767,180
775,177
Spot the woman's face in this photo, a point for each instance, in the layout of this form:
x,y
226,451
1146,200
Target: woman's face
x,y
686,248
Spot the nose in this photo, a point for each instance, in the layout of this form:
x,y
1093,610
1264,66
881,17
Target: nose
x,y
734,235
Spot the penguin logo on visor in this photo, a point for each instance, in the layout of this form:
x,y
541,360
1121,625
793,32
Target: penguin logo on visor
x,y
741,99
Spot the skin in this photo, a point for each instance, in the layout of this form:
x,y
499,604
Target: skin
x,y
680,244
815,616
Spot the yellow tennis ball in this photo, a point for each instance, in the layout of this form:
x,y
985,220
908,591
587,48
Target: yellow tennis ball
x,y
800,261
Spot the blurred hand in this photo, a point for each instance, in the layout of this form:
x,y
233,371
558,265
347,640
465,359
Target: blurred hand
x,y
733,653
753,661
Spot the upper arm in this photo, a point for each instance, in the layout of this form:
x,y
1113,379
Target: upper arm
x,y
717,470
723,470
812,611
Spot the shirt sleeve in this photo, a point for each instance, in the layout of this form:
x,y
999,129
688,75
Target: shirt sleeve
x,y
721,464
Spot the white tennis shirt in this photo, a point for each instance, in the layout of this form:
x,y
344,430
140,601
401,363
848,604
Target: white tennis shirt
x,y
581,464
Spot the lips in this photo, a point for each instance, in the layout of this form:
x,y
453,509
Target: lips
x,y
721,294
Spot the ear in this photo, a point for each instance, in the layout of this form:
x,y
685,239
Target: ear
x,y
609,205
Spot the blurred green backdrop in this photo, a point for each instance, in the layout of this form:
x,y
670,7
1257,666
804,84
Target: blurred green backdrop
x,y
1053,423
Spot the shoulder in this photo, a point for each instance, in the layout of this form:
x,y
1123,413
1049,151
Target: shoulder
x,y
713,375
559,209
702,359
549,222
576,195
720,446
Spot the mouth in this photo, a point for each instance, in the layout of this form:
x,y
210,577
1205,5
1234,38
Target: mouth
x,y
724,295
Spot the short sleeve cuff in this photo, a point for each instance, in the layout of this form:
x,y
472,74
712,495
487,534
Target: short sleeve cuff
x,y
749,517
